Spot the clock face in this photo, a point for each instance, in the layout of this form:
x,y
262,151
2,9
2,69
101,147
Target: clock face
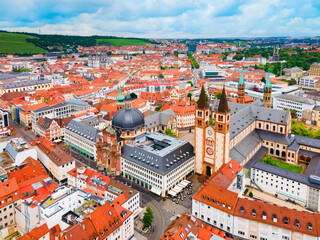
x,y
210,132
209,150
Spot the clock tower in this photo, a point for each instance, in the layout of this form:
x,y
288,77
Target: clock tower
x,y
222,132
201,124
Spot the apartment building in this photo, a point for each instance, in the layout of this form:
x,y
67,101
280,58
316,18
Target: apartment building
x,y
297,103
159,165
55,159
9,198
59,110
63,200
82,138
104,188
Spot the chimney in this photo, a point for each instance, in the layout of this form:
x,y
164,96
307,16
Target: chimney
x,y
230,165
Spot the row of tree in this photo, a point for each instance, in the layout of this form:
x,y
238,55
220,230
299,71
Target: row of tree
x,y
193,61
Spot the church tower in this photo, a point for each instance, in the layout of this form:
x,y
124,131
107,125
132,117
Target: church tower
x,y
241,88
222,132
267,93
201,123
120,98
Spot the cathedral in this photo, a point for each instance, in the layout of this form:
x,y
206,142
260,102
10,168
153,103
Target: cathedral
x,y
101,60
227,130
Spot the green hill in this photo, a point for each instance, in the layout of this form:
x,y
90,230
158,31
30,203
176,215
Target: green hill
x,y
16,43
118,42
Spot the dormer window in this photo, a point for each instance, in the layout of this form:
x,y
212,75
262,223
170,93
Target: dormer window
x,y
297,223
254,213
310,227
274,218
242,210
264,215
285,220
203,197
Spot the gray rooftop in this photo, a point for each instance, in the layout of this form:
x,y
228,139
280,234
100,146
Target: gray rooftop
x,y
158,152
62,104
240,151
304,179
296,98
23,83
83,130
245,116
155,118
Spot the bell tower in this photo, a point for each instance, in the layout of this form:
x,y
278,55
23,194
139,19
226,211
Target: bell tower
x,y
267,93
222,132
241,89
201,123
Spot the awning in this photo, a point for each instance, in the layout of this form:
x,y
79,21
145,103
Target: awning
x,y
156,190
177,189
172,193
186,182
181,185
58,140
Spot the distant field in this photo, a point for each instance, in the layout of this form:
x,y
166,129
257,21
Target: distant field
x,y
16,43
118,42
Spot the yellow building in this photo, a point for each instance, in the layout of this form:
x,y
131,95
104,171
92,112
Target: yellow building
x,y
314,69
316,115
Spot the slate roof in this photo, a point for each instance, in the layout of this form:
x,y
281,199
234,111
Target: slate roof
x,y
304,179
314,166
296,98
240,151
223,104
23,83
247,115
61,104
256,157
202,103
143,154
155,118
82,130
274,137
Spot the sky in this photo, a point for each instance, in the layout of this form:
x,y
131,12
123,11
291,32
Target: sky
x,y
164,18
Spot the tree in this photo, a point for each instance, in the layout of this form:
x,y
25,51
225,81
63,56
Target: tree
x,y
190,83
293,113
263,79
292,81
147,218
21,70
250,194
218,95
160,75
189,95
158,108
170,133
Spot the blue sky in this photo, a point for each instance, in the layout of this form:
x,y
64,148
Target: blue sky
x,y
164,18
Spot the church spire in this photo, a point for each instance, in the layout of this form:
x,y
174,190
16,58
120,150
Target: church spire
x,y
268,84
202,103
120,98
241,82
223,104
267,93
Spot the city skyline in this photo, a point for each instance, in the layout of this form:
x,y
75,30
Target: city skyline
x,y
165,19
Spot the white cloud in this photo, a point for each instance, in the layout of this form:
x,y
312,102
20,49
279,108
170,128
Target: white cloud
x,y
165,18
